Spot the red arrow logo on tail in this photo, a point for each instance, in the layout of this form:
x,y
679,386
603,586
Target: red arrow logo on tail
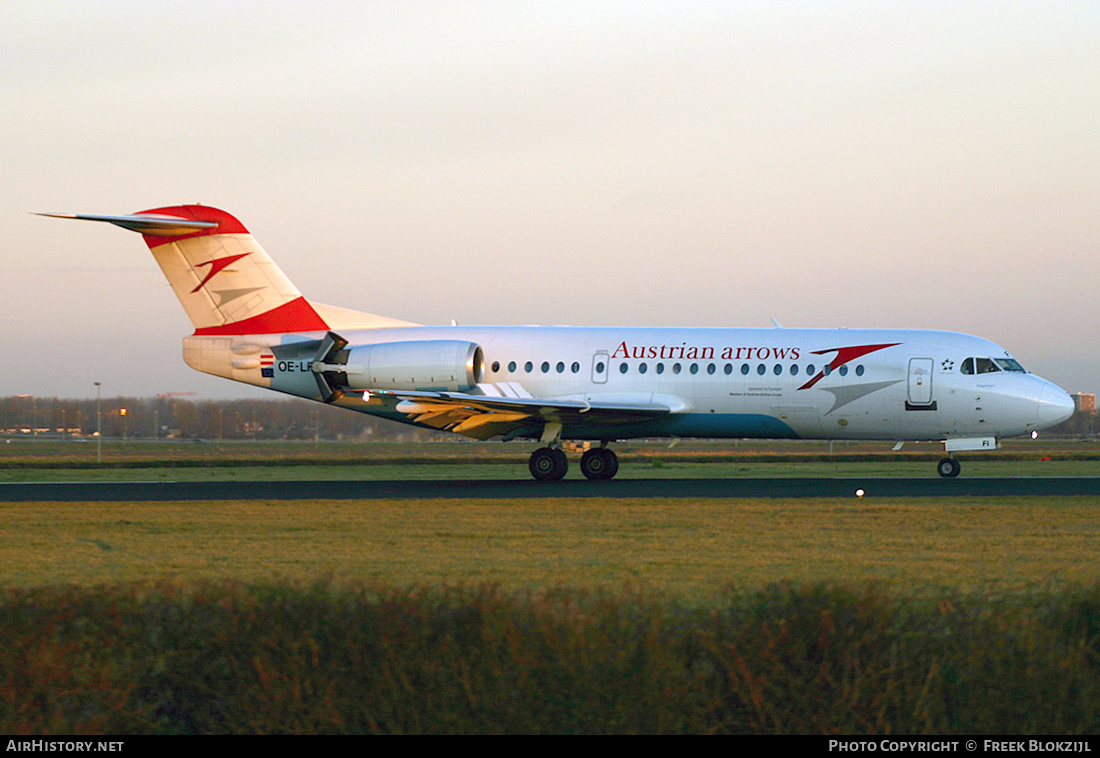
x,y
216,265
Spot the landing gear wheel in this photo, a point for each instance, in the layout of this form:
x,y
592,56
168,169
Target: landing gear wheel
x,y
948,468
548,464
599,463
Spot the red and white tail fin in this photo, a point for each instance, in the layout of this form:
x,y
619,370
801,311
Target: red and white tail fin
x,y
225,281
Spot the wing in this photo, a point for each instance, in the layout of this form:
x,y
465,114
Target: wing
x,y
482,417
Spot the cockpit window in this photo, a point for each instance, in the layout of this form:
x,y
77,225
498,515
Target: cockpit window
x,y
989,365
985,366
1009,364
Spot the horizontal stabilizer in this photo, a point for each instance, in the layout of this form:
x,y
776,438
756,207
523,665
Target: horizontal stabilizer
x,y
157,226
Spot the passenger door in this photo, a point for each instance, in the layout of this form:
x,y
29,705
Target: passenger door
x,y
920,385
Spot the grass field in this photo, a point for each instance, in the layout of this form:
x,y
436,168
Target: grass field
x,y
922,616
676,547
45,460
684,548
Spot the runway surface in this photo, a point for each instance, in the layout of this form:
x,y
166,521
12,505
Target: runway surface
x,y
530,489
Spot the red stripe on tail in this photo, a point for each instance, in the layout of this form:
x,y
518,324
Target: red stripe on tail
x,y
295,316
226,223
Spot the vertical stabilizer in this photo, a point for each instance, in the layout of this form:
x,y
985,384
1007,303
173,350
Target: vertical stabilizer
x,y
225,281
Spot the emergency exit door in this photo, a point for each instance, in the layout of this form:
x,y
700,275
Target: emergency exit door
x,y
601,363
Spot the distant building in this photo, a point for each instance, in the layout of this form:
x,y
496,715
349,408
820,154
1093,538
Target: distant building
x,y
1084,402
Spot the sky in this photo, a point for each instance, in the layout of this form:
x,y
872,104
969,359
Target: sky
x,y
825,164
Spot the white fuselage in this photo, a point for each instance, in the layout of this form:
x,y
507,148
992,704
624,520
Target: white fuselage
x,y
768,383
583,383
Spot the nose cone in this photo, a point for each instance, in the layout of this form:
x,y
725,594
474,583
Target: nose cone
x,y
1055,406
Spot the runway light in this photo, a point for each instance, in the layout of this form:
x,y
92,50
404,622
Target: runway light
x,y
859,493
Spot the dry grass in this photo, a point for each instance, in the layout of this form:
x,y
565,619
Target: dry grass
x,y
686,549
206,658
920,616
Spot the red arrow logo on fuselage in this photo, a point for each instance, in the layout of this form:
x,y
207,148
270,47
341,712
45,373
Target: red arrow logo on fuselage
x,y
216,265
843,355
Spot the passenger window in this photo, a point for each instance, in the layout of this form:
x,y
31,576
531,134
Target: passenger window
x,y
761,369
810,369
511,367
728,369
859,370
711,368
496,366
794,369
545,367
642,368
623,368
745,369
528,367
660,368
599,367
844,371
576,367
695,368
778,369
676,368
560,367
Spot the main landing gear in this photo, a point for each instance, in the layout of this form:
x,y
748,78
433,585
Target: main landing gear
x,y
550,464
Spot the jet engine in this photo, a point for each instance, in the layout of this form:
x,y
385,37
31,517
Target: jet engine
x,y
437,365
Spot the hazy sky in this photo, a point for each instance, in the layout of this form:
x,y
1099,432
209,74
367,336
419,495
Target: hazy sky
x,y
894,164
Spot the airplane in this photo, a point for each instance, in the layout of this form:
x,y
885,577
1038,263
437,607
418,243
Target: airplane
x,y
584,387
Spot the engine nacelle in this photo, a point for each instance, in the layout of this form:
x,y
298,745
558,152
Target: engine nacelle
x,y
439,365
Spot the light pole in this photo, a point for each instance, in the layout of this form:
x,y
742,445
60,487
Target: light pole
x,y
33,424
98,428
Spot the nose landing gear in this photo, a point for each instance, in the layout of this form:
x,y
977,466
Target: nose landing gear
x,y
948,468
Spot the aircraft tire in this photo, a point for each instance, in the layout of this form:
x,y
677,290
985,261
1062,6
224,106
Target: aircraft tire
x,y
599,463
948,468
548,464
